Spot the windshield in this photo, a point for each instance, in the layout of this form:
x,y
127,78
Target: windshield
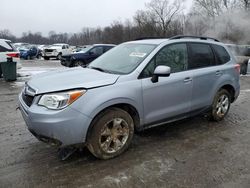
x,y
122,59
85,49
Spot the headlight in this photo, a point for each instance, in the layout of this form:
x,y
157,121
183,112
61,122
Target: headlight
x,y
56,101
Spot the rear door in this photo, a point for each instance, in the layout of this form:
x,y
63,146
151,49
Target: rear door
x,y
170,96
205,73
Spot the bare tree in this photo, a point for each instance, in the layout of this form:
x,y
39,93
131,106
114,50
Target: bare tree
x,y
213,8
246,4
164,11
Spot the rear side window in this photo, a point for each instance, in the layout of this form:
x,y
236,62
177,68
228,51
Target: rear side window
x,y
222,55
201,55
6,47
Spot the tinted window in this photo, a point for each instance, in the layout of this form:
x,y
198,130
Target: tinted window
x,y
201,55
106,48
222,56
174,56
97,50
5,49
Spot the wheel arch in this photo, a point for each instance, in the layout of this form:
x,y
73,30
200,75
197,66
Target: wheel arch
x,y
230,89
129,108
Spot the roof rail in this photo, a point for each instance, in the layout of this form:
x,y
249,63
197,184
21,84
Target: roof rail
x,y
144,38
194,37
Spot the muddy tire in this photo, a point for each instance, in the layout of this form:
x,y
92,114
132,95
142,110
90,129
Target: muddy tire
x,y
112,132
220,106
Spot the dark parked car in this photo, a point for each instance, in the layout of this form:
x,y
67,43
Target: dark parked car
x,y
242,55
30,52
85,55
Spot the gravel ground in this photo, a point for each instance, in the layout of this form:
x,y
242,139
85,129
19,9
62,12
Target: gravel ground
x,y
190,153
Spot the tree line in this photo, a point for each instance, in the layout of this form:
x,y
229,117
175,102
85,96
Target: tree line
x,y
227,20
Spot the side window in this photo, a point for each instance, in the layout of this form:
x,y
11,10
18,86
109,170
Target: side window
x,y
174,56
201,55
222,56
4,49
63,47
97,50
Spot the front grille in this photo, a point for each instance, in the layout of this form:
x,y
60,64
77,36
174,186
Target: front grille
x,y
48,50
27,99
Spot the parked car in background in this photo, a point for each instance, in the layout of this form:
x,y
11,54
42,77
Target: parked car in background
x,y
19,45
56,51
242,55
7,50
85,55
134,86
30,52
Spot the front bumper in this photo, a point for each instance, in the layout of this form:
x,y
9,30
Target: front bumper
x,y
51,54
62,127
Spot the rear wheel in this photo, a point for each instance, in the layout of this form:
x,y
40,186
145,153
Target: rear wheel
x,y
221,105
111,133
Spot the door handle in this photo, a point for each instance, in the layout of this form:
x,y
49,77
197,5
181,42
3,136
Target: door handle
x,y
188,79
218,73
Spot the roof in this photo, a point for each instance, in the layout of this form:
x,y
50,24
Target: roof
x,y
59,44
150,41
105,44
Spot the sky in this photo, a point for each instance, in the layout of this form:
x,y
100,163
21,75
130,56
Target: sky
x,y
65,15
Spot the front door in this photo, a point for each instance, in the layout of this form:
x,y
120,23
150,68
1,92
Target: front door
x,y
170,96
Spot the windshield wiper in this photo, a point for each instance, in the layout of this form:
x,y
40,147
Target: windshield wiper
x,y
99,69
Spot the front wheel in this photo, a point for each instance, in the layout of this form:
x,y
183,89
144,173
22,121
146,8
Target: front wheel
x,y
78,63
59,56
221,105
111,134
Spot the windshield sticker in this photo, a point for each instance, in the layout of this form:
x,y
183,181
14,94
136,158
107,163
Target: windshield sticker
x,y
137,54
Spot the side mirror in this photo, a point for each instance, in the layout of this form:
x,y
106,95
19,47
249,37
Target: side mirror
x,y
160,71
91,53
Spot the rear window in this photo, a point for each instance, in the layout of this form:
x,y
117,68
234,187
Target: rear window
x,y
222,55
7,47
201,55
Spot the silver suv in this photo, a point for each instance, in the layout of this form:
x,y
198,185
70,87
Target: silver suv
x,y
134,86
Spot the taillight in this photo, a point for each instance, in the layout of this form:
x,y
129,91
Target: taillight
x,y
13,55
237,68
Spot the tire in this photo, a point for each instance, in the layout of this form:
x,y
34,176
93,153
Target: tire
x,y
46,58
59,56
38,56
221,105
111,133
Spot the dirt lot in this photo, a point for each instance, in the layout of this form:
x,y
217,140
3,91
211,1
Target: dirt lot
x,y
190,153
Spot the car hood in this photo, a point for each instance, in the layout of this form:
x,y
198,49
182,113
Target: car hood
x,y
71,79
54,47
